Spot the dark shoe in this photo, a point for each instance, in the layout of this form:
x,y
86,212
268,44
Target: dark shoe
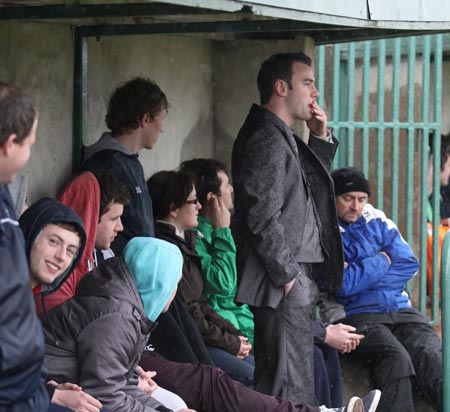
x,y
371,400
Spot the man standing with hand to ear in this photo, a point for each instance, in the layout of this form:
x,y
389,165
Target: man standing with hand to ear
x,y
288,241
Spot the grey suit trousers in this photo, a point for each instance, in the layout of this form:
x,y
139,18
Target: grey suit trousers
x,y
284,344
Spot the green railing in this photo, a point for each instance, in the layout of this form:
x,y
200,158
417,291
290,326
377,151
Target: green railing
x,y
383,99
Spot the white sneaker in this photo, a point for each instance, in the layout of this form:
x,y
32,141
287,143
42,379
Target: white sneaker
x,y
355,404
371,400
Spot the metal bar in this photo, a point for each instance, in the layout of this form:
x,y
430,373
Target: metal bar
x,y
410,142
79,98
396,69
365,109
386,125
336,103
436,180
351,104
445,271
76,11
226,26
380,119
426,52
321,75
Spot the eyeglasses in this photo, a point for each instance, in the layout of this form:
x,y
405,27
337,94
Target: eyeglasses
x,y
191,202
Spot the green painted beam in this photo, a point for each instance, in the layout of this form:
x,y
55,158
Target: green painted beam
x,y
77,11
248,26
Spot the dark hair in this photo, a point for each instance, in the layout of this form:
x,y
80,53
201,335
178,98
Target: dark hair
x,y
445,147
276,67
131,101
204,172
112,190
17,113
169,190
71,227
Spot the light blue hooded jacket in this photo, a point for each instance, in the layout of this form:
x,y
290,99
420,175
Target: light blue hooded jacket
x,y
155,266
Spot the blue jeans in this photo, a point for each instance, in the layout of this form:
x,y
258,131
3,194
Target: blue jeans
x,y
239,369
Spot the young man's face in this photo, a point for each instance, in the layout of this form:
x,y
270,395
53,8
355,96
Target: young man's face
x,y
109,226
349,206
226,190
16,155
153,128
303,92
53,251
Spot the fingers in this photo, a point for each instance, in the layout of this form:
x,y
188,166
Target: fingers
x,y
92,401
145,374
318,122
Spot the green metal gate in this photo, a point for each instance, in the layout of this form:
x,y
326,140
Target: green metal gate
x,y
384,98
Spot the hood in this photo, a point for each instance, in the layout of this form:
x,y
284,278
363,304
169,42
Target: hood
x,y
82,194
46,211
18,190
155,266
106,142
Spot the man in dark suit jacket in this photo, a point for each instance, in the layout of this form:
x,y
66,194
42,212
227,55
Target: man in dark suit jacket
x,y
288,238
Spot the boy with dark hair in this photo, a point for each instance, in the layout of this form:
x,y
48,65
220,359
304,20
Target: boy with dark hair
x,y
99,199
135,117
21,342
55,239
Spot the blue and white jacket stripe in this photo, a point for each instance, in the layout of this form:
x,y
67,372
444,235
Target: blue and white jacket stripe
x,y
370,283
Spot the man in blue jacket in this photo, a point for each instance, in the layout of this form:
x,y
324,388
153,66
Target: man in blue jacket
x,y
402,350
21,339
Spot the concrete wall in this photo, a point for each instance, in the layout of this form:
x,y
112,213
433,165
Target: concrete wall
x,y
210,86
38,58
182,68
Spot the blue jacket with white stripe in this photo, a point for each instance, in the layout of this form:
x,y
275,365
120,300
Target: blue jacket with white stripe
x,y
21,338
370,283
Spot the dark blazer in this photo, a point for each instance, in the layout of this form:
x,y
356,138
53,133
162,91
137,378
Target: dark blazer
x,y
273,173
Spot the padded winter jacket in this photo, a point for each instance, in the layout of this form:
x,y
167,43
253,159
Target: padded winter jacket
x,y
21,340
96,339
370,283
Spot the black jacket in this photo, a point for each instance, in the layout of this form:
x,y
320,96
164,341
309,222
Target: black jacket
x,y
21,339
109,155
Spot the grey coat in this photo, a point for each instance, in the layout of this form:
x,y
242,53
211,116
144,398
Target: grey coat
x,y
272,175
96,339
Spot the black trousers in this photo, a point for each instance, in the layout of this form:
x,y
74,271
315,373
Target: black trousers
x,y
327,376
404,354
284,344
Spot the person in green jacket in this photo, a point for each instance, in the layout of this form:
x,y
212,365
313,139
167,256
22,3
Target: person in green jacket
x,y
215,244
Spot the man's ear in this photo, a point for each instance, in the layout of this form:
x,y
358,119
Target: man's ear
x,y
210,196
146,119
280,87
9,144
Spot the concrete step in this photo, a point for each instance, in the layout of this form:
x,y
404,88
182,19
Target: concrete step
x,y
356,382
